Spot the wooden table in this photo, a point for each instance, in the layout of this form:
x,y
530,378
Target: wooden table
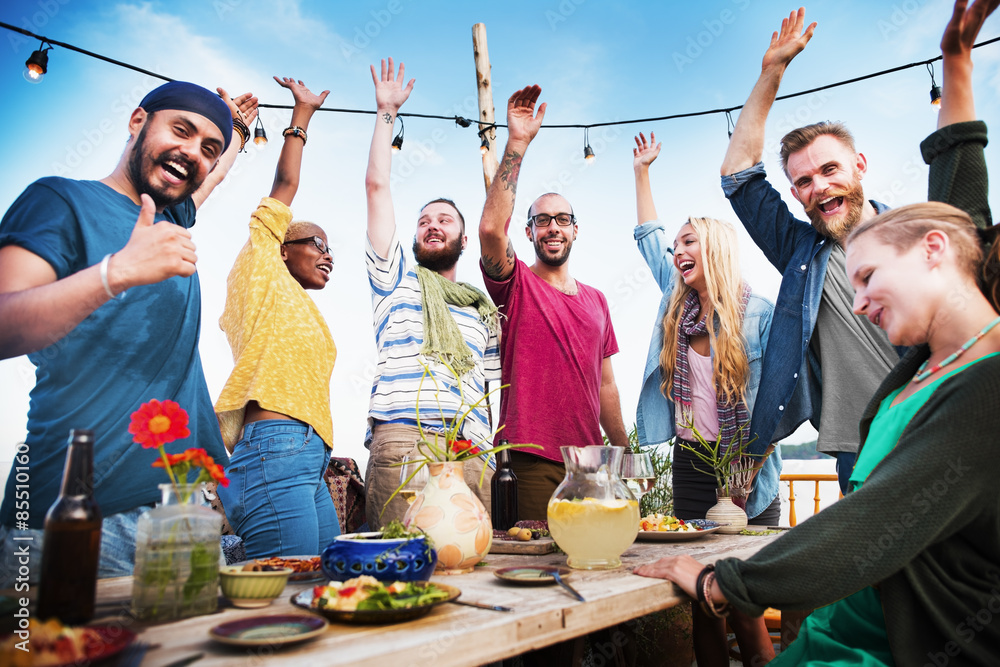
x,y
451,634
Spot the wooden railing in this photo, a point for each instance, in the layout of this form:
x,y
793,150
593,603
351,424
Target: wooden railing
x,y
791,478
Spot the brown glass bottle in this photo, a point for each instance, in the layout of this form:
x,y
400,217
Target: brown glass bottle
x,y
503,492
72,539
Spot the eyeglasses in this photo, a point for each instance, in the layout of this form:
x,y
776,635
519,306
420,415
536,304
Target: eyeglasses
x,y
315,241
543,220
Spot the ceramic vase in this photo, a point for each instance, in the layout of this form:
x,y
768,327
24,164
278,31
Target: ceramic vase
x,y
453,517
177,556
726,512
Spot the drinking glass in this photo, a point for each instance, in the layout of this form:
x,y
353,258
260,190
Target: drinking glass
x,y
637,473
417,467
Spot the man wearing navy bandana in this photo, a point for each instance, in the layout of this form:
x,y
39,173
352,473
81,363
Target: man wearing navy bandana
x,y
69,251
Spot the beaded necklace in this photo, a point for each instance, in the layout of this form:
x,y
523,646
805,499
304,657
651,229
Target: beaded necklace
x,y
923,375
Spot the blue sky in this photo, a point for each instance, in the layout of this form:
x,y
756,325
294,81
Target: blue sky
x,y
595,61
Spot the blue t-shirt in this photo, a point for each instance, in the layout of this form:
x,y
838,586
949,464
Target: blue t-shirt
x,y
125,353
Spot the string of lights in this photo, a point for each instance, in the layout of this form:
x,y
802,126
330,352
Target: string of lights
x,y
37,65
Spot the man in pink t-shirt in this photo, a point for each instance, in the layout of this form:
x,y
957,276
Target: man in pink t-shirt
x,y
557,338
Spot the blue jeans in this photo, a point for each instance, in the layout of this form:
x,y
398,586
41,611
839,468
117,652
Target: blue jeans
x,y
117,549
277,500
845,466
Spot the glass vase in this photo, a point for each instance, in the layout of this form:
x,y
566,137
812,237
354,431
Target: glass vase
x,y
177,556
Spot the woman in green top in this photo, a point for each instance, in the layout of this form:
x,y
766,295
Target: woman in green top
x,y
908,563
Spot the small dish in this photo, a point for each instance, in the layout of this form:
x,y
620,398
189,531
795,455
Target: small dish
x,y
111,639
252,590
531,576
373,616
269,630
305,569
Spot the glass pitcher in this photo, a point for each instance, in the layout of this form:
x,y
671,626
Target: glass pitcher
x,y
593,516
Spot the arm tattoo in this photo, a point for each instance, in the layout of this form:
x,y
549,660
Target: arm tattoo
x,y
495,268
387,117
510,170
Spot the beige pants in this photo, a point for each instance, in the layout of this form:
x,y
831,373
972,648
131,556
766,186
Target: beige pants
x,y
390,443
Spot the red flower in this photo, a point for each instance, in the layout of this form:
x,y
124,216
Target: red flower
x,y
172,460
155,423
459,446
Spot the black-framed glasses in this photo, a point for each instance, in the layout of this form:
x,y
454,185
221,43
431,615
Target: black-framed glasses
x,y
543,220
315,241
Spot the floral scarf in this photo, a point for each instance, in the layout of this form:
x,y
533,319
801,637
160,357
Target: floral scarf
x,y
731,417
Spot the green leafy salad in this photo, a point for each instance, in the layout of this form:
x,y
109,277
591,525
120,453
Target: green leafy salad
x,y
367,593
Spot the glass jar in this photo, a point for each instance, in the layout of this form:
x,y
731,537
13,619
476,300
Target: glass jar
x,y
177,556
593,516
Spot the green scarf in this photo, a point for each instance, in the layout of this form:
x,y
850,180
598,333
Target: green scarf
x,y
442,338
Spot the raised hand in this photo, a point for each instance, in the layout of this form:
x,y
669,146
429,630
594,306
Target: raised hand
x,y
303,96
522,121
963,28
390,94
644,153
789,41
243,107
154,252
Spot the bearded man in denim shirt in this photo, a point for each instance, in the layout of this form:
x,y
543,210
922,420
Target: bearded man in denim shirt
x,y
814,334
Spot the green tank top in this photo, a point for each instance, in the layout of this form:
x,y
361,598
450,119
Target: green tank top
x,y
890,422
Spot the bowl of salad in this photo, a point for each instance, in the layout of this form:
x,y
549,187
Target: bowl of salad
x,y
367,600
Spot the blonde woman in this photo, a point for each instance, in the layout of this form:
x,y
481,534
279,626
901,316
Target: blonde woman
x,y
703,369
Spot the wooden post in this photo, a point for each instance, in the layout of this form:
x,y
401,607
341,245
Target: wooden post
x,y
486,111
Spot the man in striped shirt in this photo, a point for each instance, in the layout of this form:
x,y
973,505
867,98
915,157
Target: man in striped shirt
x,y
419,314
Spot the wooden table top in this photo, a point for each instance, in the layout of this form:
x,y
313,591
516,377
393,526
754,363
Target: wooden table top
x,y
451,634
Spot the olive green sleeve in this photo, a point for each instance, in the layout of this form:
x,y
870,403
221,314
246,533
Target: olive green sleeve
x,y
958,173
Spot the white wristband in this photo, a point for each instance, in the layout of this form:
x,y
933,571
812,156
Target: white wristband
x,y
104,279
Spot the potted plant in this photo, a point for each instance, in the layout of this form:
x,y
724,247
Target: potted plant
x,y
395,553
733,470
446,509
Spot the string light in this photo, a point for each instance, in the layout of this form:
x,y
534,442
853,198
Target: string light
x,y
259,135
588,152
39,60
397,143
37,64
484,147
935,89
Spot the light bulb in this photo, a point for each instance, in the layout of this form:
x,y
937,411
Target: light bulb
x,y
36,66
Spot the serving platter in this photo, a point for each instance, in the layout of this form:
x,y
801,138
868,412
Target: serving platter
x,y
674,535
373,616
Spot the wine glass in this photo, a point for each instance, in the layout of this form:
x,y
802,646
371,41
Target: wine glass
x,y
637,473
408,486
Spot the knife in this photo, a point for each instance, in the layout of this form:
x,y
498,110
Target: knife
x,y
185,661
480,605
570,589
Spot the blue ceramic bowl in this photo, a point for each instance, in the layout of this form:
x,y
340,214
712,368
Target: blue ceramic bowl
x,y
396,559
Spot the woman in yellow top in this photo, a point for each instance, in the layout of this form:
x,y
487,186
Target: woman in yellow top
x,y
274,411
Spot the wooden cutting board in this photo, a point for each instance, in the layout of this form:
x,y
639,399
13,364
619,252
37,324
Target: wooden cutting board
x,y
541,546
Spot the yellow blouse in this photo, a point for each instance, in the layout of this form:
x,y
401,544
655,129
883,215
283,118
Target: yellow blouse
x,y
282,349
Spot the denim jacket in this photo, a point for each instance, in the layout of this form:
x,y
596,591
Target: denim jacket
x,y
655,421
800,254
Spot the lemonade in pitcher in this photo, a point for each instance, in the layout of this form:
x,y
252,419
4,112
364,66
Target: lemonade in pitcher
x,y
594,533
592,515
